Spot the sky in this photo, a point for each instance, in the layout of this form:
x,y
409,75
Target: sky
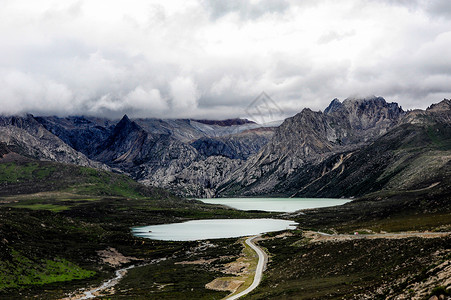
x,y
211,59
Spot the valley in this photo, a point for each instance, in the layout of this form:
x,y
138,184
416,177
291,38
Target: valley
x,y
72,189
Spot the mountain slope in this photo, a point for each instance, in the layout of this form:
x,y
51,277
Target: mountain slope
x,y
236,146
413,155
187,156
30,138
84,134
350,149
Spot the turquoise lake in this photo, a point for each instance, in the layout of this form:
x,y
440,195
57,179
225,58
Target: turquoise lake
x,y
275,204
212,229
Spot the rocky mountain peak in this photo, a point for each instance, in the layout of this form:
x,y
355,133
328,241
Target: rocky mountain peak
x,y
371,112
125,119
443,105
19,121
125,124
334,106
371,98
362,104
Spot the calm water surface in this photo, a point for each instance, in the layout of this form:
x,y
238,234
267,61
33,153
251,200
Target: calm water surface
x,y
212,229
276,204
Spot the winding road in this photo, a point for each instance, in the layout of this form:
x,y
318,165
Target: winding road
x,y
262,259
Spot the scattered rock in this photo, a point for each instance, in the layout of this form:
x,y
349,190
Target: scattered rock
x,y
220,284
113,257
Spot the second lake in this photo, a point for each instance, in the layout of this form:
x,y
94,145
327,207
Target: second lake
x,y
275,204
212,229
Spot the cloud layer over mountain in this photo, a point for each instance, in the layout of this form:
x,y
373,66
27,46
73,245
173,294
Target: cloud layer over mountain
x,y
211,58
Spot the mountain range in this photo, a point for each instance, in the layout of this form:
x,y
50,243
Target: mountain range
x,y
352,148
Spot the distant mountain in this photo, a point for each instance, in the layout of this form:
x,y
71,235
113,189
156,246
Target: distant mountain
x,y
228,122
84,134
311,137
187,156
187,130
353,148
27,137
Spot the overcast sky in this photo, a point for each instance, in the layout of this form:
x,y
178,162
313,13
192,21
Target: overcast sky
x,y
211,59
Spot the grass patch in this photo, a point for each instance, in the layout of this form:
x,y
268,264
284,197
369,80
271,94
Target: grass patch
x,y
50,207
401,223
20,271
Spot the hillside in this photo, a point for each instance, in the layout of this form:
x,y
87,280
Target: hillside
x,y
29,138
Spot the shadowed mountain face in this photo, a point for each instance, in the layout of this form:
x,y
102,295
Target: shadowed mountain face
x,y
354,147
84,134
237,146
29,138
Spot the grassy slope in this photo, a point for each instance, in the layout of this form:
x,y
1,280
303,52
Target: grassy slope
x,y
408,157
340,270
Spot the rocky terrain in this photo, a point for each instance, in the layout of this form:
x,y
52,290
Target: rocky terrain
x,y
189,157
309,138
351,149
32,139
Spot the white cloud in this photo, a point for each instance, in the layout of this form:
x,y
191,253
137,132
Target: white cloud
x,y
21,93
147,100
184,94
205,58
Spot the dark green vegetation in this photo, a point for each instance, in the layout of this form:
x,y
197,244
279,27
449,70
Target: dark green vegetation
x,y
376,268
28,177
177,279
18,271
55,218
